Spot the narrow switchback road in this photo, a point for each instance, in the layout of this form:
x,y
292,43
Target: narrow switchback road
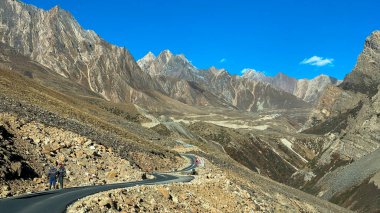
x,y
59,200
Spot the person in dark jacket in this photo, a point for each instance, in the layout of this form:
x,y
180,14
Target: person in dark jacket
x,y
61,174
52,176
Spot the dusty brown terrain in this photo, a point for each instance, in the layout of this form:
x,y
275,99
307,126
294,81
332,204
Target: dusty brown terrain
x,y
39,146
75,98
144,149
94,118
211,191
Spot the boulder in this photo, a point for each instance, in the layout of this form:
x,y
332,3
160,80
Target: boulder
x,y
174,199
165,193
80,154
38,180
36,140
147,176
61,157
105,201
6,191
88,143
46,149
112,174
55,146
16,168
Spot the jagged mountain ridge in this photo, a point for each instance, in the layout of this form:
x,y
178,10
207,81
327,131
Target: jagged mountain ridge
x,y
176,75
168,64
55,39
247,94
307,90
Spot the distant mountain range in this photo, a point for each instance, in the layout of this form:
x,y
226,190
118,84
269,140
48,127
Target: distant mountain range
x,y
177,66
55,40
307,90
183,81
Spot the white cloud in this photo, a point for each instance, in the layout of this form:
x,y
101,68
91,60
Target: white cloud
x,y
222,60
317,61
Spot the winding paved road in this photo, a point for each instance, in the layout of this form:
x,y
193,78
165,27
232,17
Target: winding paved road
x,y
59,200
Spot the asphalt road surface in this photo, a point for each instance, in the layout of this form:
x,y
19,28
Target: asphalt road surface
x,y
59,200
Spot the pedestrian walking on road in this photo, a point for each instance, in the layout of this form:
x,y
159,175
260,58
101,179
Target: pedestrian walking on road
x,y
61,175
197,161
52,176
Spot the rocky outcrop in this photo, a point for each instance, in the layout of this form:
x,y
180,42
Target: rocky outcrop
x,y
284,82
333,102
365,77
12,165
55,39
190,92
311,90
348,116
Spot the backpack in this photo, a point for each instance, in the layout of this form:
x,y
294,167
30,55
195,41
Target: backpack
x,y
52,173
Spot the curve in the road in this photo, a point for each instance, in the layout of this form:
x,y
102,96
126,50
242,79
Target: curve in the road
x,y
59,200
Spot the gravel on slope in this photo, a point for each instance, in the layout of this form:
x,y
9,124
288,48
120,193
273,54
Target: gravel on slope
x,y
348,176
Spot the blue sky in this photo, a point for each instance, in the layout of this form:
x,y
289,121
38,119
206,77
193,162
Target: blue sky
x,y
302,38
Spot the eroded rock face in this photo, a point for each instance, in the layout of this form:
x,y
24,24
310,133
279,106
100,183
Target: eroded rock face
x,y
190,92
365,77
349,117
12,165
332,102
311,90
354,109
55,39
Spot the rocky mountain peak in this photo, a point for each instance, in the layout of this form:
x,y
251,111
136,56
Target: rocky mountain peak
x,y
365,77
281,75
55,9
373,41
216,71
254,75
146,61
170,65
324,77
311,90
183,57
56,40
165,56
150,55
